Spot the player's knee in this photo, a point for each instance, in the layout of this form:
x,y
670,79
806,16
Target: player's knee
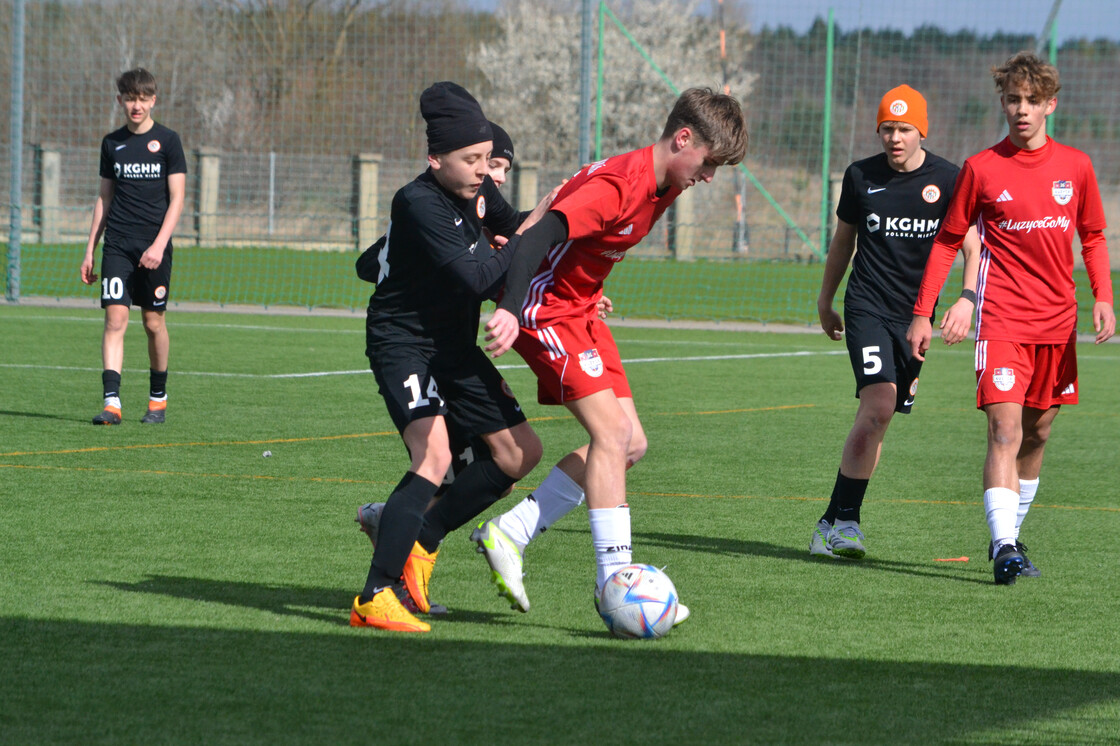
x,y
154,326
1037,436
116,323
1004,432
614,435
638,445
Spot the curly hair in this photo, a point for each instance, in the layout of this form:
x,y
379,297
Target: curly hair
x,y
1025,68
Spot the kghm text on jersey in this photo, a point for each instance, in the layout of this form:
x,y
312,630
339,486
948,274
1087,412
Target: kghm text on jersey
x,y
142,170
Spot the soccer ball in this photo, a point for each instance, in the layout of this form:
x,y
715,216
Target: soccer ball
x,y
638,601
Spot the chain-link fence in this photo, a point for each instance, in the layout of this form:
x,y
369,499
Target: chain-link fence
x,y
289,112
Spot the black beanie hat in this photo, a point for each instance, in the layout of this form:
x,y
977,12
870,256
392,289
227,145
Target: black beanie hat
x,y
455,120
503,146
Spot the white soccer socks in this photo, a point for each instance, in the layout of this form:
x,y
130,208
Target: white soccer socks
x,y
556,496
1001,506
1027,490
610,533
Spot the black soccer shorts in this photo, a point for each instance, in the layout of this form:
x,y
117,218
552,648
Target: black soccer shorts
x,y
879,353
125,283
464,387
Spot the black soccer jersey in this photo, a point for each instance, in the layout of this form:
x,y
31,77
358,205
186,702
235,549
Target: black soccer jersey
x,y
140,165
897,215
437,265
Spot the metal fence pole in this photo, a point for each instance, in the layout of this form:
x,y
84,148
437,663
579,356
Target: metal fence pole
x,y
16,195
585,85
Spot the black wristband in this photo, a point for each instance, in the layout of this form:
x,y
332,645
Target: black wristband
x,y
969,295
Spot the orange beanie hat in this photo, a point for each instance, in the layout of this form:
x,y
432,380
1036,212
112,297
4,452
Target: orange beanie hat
x,y
903,104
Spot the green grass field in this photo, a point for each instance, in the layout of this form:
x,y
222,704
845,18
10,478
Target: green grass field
x,y
735,290
167,584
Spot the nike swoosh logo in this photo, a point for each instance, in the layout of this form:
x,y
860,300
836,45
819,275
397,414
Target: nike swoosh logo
x,y
121,146
458,221
161,303
873,191
908,403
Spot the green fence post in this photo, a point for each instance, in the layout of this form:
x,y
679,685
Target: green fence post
x,y
826,145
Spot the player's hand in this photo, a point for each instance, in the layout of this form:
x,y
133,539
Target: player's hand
x,y
831,322
88,275
1104,321
151,258
919,335
604,306
957,322
501,331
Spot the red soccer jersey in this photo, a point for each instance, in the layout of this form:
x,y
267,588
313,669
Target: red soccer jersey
x,y
1026,205
609,207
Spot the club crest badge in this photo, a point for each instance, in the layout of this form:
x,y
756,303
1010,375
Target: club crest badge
x,y
914,388
1062,191
930,193
480,207
899,107
153,146
591,363
160,292
1004,378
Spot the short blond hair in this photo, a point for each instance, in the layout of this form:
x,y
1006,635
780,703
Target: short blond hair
x,y
1026,68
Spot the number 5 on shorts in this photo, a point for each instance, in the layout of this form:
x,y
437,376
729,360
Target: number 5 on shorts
x,y
871,362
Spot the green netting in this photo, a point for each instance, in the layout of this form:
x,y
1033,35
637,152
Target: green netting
x,y
300,119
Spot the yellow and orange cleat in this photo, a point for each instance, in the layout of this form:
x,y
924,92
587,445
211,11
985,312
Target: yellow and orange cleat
x,y
385,611
417,573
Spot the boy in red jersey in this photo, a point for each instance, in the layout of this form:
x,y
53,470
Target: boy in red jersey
x,y
549,315
1027,195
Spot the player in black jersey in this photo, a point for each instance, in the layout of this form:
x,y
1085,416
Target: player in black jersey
x,y
891,206
434,269
143,185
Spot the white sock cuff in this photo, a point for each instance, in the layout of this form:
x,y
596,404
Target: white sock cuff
x,y
560,485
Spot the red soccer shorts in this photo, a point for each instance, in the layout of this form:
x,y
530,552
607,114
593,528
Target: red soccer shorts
x,y
573,358
1034,375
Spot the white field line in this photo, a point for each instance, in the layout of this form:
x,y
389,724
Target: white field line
x,y
522,366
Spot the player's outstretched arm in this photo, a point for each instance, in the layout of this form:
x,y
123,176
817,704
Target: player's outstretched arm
x,y
840,251
541,209
957,321
105,194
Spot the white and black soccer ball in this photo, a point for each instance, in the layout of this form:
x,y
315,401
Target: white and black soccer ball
x,y
639,601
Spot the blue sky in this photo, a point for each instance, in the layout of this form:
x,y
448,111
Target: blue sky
x,y
1076,18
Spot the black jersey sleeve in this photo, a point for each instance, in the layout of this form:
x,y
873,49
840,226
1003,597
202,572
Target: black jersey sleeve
x,y
847,209
106,168
176,159
483,277
527,256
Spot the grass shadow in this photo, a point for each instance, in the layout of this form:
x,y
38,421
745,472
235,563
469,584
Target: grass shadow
x,y
67,682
